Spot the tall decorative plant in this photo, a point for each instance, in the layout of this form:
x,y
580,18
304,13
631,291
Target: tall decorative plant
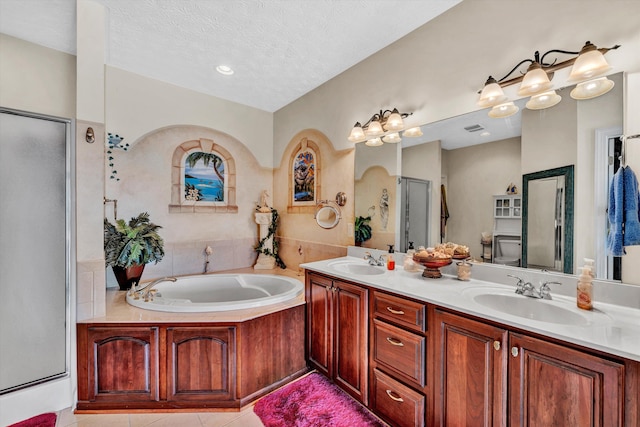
x,y
128,247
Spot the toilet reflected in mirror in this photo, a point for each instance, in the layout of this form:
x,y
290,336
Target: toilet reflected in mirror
x,y
507,250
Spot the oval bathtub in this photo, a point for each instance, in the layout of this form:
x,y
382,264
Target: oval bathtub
x,y
220,292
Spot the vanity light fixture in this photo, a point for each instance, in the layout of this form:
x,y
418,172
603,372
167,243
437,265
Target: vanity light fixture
x,y
385,124
503,110
413,132
543,100
588,68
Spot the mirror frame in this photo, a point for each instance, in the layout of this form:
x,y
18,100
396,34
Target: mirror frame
x,y
327,225
567,172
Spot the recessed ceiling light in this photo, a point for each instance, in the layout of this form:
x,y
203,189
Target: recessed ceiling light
x,y
223,69
485,133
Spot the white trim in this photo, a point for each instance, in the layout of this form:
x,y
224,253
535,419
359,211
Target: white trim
x,y
601,198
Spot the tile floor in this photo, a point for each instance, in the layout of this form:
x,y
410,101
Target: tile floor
x,y
244,418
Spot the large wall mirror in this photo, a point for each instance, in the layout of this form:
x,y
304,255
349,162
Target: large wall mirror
x,y
470,159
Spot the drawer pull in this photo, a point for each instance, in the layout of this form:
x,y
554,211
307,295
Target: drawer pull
x,y
394,396
496,345
514,351
394,341
393,311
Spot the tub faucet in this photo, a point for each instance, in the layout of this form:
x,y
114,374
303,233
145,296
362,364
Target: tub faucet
x,y
148,288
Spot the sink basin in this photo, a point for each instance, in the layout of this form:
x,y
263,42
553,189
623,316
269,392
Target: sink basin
x,y
359,268
530,308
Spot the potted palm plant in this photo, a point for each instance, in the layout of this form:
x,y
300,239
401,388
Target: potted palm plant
x,y
362,229
128,247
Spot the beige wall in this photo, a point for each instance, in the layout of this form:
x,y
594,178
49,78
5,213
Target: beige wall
x,y
630,262
37,79
437,69
599,113
369,190
425,162
137,105
301,239
474,175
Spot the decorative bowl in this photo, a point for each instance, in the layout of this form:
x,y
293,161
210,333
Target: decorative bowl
x,y
432,265
461,256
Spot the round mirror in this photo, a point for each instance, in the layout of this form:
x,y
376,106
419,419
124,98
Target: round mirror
x,y
327,217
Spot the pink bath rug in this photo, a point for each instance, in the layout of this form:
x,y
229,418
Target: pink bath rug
x,y
42,420
313,401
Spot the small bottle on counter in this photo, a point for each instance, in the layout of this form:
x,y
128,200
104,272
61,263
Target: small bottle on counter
x,y
464,270
409,264
391,262
585,289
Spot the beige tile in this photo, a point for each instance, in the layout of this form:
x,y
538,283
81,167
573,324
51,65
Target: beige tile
x,y
247,419
99,420
218,419
142,420
85,287
182,420
84,311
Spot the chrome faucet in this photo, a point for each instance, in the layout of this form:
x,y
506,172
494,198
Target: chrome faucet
x,y
529,290
372,261
545,290
148,290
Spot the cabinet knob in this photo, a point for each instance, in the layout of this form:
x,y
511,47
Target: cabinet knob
x,y
394,311
394,341
496,345
394,396
514,351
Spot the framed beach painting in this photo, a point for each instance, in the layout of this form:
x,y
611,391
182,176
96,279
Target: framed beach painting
x,y
204,177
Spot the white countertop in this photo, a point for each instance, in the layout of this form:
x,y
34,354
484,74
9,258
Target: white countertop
x,y
610,328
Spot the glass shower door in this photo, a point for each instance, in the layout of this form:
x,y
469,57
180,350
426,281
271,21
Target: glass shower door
x,y
34,248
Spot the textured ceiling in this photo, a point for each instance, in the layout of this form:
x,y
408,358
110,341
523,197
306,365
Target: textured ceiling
x,y
279,49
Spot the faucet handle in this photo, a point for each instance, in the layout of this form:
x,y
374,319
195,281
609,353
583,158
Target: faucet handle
x,y
367,255
520,285
545,291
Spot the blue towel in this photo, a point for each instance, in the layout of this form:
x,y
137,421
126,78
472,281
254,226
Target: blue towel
x,y
631,203
616,214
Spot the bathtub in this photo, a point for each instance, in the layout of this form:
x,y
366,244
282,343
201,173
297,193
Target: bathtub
x,y
220,292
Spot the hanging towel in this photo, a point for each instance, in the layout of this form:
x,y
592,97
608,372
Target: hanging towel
x,y
444,213
616,214
631,209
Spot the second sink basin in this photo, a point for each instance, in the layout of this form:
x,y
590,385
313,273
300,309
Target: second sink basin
x,y
359,268
530,308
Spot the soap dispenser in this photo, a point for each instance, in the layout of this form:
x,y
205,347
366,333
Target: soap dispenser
x,y
585,289
391,262
409,264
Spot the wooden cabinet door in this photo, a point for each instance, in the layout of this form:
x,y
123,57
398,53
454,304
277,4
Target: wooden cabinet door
x,y
122,364
551,385
350,337
319,298
470,372
201,363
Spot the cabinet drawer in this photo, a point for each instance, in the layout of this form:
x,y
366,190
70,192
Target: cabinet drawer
x,y
399,351
396,403
401,311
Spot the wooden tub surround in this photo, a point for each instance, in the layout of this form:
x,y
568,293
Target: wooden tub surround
x,y
195,361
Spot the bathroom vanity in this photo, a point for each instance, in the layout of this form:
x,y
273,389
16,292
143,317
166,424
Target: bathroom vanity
x,y
441,352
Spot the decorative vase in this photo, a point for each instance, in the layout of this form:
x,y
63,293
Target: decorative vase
x,y
128,276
